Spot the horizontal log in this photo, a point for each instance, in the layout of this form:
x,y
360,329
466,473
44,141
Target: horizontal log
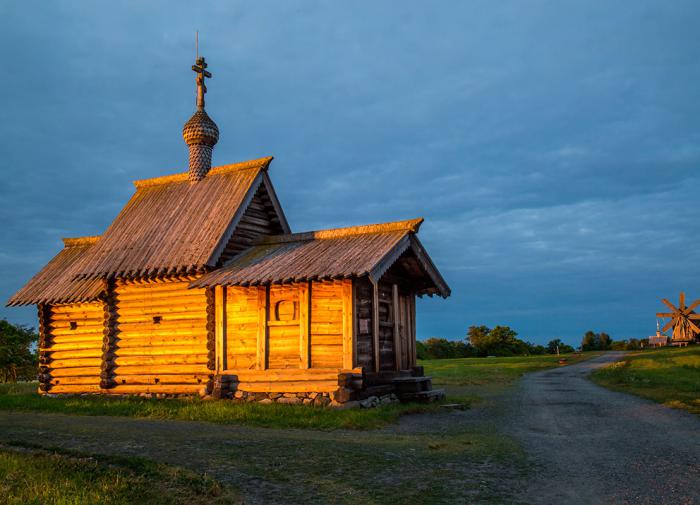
x,y
155,388
80,353
76,346
76,309
65,339
288,375
157,341
161,360
79,362
190,321
287,387
93,379
161,369
75,388
93,371
321,339
157,333
161,351
326,362
162,307
92,330
161,379
62,321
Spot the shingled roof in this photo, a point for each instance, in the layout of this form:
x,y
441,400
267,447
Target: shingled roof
x,y
172,226
56,282
328,254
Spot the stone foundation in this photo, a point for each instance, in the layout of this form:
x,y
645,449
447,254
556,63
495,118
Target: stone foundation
x,y
318,399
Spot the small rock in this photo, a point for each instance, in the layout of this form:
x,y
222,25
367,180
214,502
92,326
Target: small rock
x,y
290,401
307,401
290,395
346,405
266,401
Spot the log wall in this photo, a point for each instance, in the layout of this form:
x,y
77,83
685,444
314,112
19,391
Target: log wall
x,y
161,338
71,348
326,334
241,327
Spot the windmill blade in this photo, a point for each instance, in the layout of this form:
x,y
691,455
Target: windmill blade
x,y
669,304
692,307
694,316
668,325
694,327
664,314
681,301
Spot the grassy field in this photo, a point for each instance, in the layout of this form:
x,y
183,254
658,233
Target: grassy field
x,y
45,477
670,376
24,397
490,373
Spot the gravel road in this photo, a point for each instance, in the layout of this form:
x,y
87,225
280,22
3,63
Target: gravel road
x,y
595,446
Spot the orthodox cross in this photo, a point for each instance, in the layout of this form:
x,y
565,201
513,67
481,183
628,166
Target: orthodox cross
x,y
200,67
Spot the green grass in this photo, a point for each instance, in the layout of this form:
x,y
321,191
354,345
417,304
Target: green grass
x,y
23,397
491,371
43,477
670,376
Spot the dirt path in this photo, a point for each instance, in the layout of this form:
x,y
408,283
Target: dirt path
x,y
592,445
441,461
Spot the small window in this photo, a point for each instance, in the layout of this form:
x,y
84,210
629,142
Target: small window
x,y
157,319
73,325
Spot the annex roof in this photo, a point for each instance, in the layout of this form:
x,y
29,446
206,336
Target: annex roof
x,y
56,282
172,226
327,254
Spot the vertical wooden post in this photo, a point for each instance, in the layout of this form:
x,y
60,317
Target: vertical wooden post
x,y
304,324
375,324
263,310
412,324
220,335
348,337
397,336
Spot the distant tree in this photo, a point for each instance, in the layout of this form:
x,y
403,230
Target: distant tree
x,y
589,342
604,341
17,360
555,344
498,341
536,349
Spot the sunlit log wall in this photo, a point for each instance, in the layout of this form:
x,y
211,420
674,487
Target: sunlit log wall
x,y
71,348
161,338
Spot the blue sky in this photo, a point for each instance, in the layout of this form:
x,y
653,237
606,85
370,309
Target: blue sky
x,y
553,147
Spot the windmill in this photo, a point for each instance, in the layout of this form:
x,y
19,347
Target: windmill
x,y
682,319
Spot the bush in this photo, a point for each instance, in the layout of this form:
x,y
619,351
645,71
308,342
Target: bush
x,y
17,360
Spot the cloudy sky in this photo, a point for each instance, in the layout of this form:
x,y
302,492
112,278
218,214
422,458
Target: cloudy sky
x,y
553,147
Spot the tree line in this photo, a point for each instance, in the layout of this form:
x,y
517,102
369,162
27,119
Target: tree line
x,y
482,341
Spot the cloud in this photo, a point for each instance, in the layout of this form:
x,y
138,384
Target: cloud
x,y
553,149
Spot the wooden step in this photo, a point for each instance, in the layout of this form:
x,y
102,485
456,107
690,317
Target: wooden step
x,y
384,389
434,395
412,384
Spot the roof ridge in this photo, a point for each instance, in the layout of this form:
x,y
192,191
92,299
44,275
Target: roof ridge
x,y
259,163
409,226
78,241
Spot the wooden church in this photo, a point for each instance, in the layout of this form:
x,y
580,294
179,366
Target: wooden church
x,y
199,286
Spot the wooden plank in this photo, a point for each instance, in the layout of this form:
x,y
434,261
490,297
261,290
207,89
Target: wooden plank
x,y
220,328
348,337
412,333
304,324
375,324
289,387
397,336
261,357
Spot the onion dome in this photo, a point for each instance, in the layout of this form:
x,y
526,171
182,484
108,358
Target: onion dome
x,y
200,129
